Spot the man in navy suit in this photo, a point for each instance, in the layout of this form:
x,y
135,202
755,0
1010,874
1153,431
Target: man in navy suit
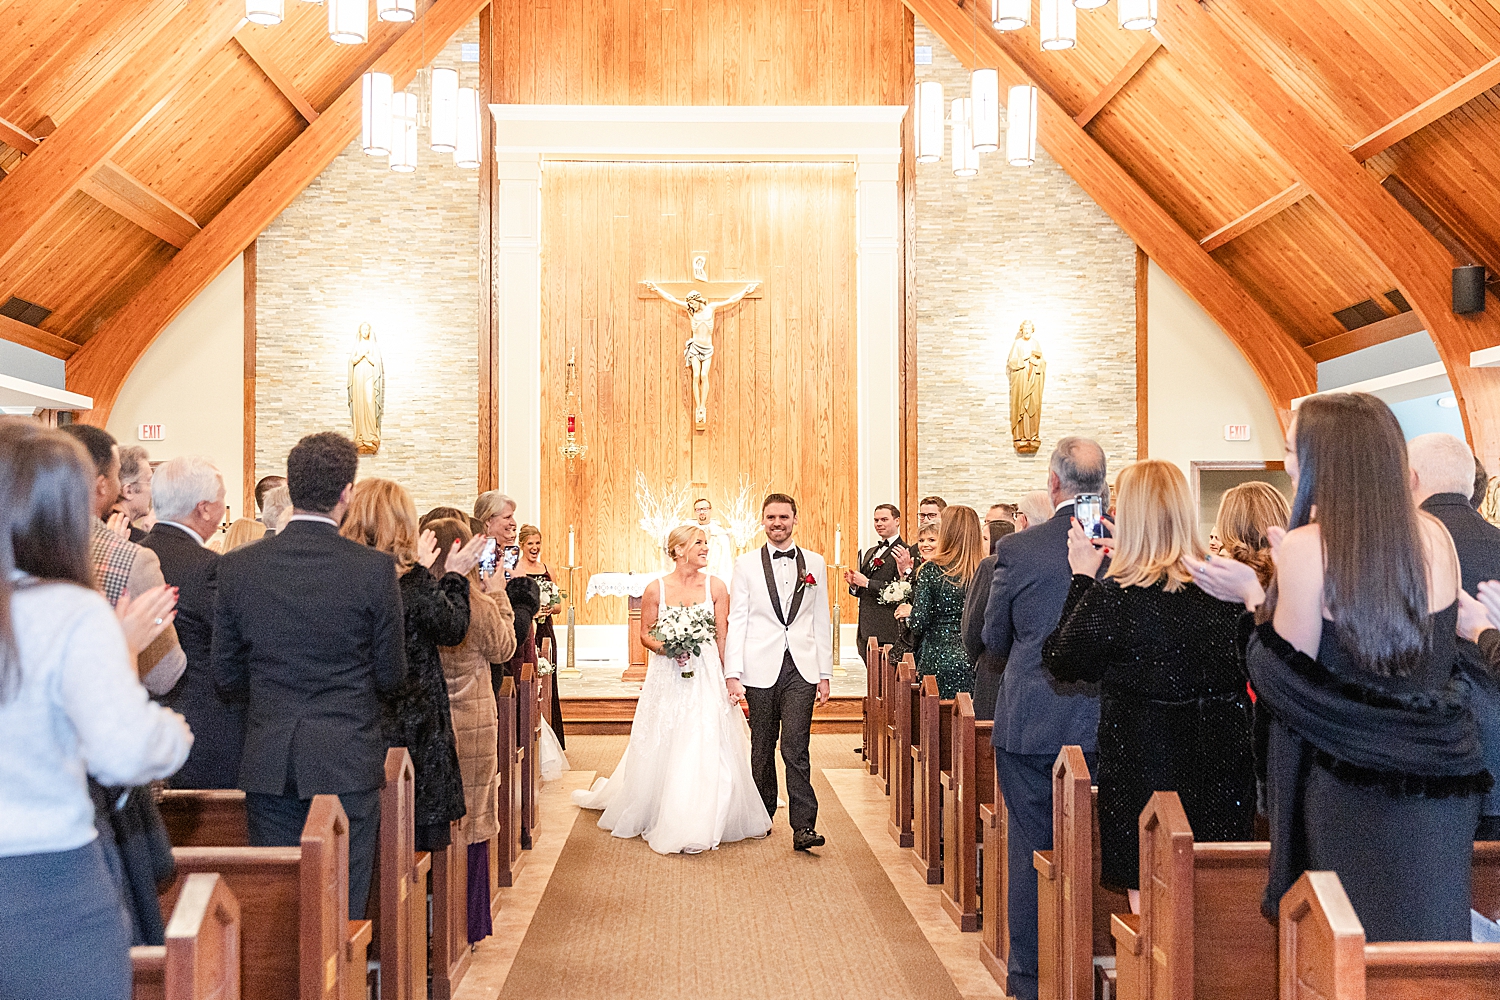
x,y
308,626
1035,715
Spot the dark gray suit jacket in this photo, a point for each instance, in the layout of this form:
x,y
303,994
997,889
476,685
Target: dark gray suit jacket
x,y
987,666
1035,713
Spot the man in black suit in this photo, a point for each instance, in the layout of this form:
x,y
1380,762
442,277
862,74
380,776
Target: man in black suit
x,y
189,498
308,626
877,570
1442,468
1035,715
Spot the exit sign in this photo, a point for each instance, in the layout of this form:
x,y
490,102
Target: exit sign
x,y
1236,432
151,432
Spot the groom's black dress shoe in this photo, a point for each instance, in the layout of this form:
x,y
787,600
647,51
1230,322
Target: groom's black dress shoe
x,y
803,840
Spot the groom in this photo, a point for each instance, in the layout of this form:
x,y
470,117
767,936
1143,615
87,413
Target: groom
x,y
778,659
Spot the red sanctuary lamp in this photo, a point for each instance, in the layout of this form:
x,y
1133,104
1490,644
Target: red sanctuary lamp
x,y
571,450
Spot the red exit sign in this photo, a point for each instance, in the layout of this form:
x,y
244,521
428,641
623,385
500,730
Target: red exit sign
x,y
1236,432
151,432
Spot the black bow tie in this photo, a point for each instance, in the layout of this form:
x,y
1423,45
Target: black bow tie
x,y
788,554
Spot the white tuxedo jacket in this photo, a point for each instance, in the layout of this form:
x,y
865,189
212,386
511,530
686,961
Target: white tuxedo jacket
x,y
757,640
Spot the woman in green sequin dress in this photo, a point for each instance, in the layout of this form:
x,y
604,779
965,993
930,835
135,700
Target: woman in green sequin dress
x,y
937,602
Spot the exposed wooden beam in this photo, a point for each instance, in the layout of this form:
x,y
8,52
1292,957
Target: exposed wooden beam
x,y
126,195
27,335
1420,265
1390,328
17,137
1236,228
105,362
102,124
247,40
1118,81
1278,360
1429,111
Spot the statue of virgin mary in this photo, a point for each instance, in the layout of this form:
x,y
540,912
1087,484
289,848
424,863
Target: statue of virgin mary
x,y
366,391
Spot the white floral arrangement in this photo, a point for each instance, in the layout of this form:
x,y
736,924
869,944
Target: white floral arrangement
x,y
895,592
551,594
543,666
682,632
661,512
743,516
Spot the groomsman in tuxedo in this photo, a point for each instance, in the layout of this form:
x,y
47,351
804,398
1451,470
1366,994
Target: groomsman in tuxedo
x,y
877,570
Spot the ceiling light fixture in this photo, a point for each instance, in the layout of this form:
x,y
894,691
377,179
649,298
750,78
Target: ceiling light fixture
x,y
1089,4
1059,25
265,12
396,10
965,156
466,152
403,132
375,119
1137,15
1010,15
984,92
929,121
444,110
349,21
1020,127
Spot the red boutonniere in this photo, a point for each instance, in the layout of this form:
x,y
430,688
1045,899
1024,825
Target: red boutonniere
x,y
877,563
809,581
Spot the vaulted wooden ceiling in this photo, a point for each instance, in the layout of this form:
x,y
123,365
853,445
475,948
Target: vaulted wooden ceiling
x,y
1283,159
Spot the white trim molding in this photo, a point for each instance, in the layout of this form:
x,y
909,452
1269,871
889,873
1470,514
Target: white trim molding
x,y
869,136
19,395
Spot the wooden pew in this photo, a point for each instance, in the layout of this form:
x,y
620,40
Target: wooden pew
x,y
932,754
450,929
398,886
545,682
506,859
528,733
1073,909
969,785
994,924
903,730
874,728
889,668
201,957
1200,931
1324,954
297,942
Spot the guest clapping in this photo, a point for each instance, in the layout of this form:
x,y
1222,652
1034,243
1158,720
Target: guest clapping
x,y
416,715
937,603
71,707
1174,713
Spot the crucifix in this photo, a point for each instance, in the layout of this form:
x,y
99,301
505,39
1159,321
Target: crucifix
x,y
702,299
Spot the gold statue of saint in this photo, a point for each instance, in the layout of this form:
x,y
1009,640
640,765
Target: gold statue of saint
x,y
1027,370
366,391
698,354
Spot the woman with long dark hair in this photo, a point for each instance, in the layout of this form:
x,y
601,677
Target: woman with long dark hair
x,y
1373,766
937,601
71,707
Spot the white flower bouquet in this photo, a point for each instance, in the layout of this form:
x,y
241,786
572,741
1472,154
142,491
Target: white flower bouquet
x,y
682,632
551,594
895,592
543,666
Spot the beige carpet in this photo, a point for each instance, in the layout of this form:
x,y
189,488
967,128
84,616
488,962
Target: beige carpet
x,y
750,920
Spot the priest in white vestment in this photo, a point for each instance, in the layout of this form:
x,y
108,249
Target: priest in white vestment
x,y
720,546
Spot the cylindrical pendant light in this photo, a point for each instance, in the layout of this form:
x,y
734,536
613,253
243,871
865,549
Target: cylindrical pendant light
x,y
266,12
1020,127
404,132
1059,25
984,93
396,10
965,156
466,152
928,126
375,131
1010,15
1089,4
349,21
1137,15
444,110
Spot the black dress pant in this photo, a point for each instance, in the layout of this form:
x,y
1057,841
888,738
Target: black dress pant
x,y
277,821
783,712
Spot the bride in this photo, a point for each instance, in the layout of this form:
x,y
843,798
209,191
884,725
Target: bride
x,y
684,782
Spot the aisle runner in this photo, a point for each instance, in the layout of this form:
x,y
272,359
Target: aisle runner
x,y
750,920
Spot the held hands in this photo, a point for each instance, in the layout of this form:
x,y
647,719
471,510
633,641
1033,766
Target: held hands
x,y
1228,580
1085,554
736,691
821,698
463,557
144,618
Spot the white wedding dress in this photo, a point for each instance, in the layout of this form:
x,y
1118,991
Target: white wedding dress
x,y
684,782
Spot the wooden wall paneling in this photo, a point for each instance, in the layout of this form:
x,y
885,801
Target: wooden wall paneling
x,y
247,450
907,380
487,422
1142,355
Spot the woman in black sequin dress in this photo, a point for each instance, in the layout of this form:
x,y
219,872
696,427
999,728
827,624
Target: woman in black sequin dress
x,y
1174,712
937,602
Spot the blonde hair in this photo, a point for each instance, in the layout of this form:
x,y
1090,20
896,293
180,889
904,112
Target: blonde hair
x,y
680,538
1246,515
382,516
925,530
1155,528
960,544
527,530
490,503
242,532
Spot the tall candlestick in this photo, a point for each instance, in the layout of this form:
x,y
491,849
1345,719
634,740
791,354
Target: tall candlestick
x,y
571,560
838,543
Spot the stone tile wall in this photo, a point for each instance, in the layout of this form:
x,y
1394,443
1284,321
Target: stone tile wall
x,y
1010,244
401,252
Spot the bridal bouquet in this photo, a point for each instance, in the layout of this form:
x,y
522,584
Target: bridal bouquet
x,y
551,594
682,633
896,592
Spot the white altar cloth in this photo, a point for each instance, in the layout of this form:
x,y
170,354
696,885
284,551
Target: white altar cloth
x,y
619,584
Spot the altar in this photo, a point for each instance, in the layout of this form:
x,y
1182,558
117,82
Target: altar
x,y
630,586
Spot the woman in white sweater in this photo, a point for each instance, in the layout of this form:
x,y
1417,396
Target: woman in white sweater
x,y
71,706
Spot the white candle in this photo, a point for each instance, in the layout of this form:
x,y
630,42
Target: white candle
x,y
571,560
838,544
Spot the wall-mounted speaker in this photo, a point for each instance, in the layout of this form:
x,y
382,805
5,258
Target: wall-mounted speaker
x,y
1468,289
